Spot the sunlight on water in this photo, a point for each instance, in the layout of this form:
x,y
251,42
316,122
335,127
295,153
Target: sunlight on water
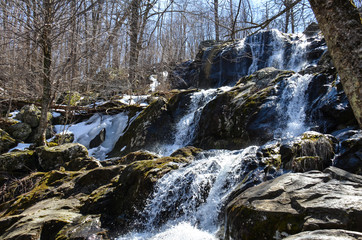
x,y
181,231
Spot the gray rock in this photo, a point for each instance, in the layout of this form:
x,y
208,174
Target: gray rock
x,y
29,114
350,157
326,234
72,156
6,141
296,202
20,131
313,151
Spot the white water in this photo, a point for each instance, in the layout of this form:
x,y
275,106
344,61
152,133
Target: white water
x,y
187,202
186,126
276,59
292,105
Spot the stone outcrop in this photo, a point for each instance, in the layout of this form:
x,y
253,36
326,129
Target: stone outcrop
x,y
350,156
297,202
244,115
326,234
6,141
98,203
72,156
224,63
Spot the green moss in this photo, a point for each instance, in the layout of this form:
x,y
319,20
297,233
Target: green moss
x,y
72,98
40,190
282,76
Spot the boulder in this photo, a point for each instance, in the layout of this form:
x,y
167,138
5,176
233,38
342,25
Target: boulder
x,y
20,131
312,29
243,116
155,125
29,114
328,106
48,205
326,234
312,151
350,156
134,186
6,141
72,156
18,163
151,124
186,152
297,202
63,138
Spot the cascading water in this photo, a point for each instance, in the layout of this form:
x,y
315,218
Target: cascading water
x,y
190,199
292,105
186,126
272,53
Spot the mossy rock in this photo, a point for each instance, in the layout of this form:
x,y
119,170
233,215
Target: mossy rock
x,y
72,156
134,186
18,163
63,138
5,123
188,152
31,114
313,151
20,131
43,189
6,141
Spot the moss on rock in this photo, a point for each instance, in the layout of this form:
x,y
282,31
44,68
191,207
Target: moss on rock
x,y
6,141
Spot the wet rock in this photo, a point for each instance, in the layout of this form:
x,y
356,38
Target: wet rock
x,y
350,156
296,202
72,156
134,186
328,107
20,131
326,234
99,139
6,141
243,116
186,152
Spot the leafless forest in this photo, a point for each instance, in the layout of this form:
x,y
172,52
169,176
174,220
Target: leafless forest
x,y
112,46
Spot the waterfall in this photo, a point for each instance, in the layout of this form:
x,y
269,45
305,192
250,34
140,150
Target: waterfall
x,y
271,48
191,198
292,105
187,203
186,125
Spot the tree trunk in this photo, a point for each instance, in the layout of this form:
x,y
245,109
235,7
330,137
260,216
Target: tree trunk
x,y
134,32
341,25
216,15
47,61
